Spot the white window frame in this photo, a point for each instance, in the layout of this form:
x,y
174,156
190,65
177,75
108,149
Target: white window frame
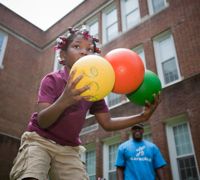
x,y
123,100
89,147
57,66
124,14
156,42
150,5
89,129
140,49
91,22
104,12
108,142
3,47
147,132
88,150
171,143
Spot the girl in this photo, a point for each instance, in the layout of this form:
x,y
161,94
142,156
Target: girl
x,y
51,144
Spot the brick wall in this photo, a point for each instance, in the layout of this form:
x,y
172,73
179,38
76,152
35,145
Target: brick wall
x,y
29,55
8,150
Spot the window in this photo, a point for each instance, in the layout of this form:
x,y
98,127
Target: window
x,y
147,134
156,5
89,157
91,164
89,129
140,51
110,153
114,99
181,150
93,27
57,65
130,13
3,43
110,23
166,59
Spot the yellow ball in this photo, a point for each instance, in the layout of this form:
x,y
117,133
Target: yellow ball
x,y
97,73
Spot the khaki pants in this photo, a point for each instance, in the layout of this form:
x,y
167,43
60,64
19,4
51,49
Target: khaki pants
x,y
42,159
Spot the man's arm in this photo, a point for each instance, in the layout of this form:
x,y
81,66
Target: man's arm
x,y
120,173
160,173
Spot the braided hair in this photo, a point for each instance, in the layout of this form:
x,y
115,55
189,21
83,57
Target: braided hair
x,y
62,42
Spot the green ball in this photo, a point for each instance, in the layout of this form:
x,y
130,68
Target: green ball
x,y
150,85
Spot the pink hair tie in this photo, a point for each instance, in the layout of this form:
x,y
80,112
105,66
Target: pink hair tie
x,y
86,35
61,42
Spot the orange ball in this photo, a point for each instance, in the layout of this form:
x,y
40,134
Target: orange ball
x,y
129,70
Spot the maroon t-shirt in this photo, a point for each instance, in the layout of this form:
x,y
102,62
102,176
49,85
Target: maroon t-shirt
x,y
66,129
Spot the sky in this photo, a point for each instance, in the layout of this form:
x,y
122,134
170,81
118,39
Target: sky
x,y
41,13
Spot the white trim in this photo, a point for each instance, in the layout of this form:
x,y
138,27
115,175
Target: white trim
x,y
101,9
139,48
91,22
123,15
91,15
124,101
171,143
150,6
3,48
156,41
89,129
108,142
56,62
109,8
172,152
147,132
89,149
119,104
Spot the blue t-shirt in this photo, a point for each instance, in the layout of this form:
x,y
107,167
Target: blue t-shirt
x,y
139,159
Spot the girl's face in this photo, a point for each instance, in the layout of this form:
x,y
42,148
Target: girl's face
x,y
78,48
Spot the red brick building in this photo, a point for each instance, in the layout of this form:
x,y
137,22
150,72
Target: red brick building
x,y
165,33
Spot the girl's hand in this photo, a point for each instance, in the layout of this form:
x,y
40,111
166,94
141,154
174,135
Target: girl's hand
x,y
71,95
151,107
49,113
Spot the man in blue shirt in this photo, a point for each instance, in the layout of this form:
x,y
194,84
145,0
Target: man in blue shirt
x,y
138,159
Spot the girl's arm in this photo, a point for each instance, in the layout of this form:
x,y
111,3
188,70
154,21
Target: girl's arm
x,y
49,113
110,124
